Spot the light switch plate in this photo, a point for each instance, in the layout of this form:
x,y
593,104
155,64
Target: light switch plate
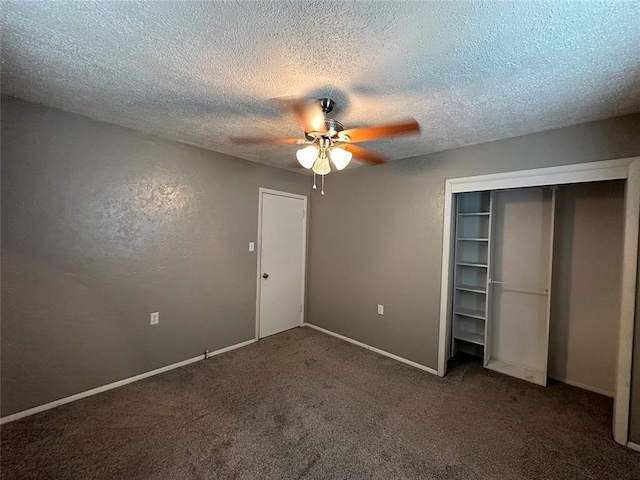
x,y
380,309
252,246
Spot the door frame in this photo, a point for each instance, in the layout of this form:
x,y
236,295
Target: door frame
x,y
620,169
267,191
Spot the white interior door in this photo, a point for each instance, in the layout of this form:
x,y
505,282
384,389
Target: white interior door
x,y
520,282
281,265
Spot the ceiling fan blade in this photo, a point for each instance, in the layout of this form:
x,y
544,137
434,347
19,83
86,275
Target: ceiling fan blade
x,y
308,114
273,140
365,134
364,154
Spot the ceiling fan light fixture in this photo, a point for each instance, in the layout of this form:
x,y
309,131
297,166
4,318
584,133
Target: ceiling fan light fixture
x,y
325,139
340,157
307,156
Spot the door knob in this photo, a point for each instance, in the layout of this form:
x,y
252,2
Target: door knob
x,y
265,275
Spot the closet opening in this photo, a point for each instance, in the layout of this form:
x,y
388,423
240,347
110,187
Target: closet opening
x,y
537,282
552,252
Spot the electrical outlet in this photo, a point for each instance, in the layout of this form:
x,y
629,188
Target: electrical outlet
x,y
380,309
155,318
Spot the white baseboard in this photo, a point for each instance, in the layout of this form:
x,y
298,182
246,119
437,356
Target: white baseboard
x,y
633,446
119,383
584,386
373,349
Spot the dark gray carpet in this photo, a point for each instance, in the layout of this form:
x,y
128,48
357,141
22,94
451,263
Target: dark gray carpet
x,y
306,405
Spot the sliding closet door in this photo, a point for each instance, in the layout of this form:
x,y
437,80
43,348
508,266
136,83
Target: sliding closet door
x,y
520,277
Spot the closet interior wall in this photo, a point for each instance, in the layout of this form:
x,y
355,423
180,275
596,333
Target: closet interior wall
x,y
586,286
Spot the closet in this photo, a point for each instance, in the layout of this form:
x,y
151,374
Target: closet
x,y
502,279
508,246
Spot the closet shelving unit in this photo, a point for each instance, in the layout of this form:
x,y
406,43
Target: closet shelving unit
x,y
471,273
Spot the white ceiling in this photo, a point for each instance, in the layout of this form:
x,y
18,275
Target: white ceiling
x,y
199,72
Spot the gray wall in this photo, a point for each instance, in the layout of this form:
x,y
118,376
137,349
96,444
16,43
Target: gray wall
x,y
586,285
376,236
101,226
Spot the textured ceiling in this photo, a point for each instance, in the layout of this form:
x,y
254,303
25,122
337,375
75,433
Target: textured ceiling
x,y
199,72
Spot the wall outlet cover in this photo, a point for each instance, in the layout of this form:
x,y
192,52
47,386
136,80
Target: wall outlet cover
x,y
155,318
380,309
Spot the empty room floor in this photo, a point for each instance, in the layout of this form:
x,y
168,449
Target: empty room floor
x,y
303,404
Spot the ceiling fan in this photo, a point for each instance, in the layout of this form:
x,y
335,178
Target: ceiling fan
x,y
326,139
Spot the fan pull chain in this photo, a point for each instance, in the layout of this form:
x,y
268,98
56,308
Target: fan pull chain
x,y
314,180
322,191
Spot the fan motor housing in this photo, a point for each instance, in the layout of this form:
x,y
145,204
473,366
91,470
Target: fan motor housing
x,y
333,128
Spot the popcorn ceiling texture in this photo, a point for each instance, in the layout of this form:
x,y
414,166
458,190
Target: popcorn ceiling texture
x,y
199,72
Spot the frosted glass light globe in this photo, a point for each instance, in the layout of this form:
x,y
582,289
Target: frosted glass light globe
x,y
307,156
340,157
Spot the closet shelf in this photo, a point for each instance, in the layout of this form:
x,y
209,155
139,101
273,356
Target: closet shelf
x,y
470,295
472,288
476,338
468,312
